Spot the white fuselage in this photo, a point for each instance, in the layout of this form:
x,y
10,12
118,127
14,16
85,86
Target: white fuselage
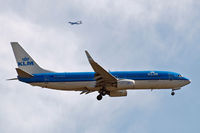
x,y
90,85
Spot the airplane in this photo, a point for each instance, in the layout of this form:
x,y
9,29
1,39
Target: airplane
x,y
112,83
77,22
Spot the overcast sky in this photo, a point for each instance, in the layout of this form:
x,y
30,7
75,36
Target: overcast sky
x,y
120,35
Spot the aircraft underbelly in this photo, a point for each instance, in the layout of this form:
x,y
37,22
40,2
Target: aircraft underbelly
x,y
90,85
73,86
157,84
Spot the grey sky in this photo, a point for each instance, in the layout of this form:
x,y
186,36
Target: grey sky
x,y
120,35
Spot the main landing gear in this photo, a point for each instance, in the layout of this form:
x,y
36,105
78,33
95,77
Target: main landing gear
x,y
102,92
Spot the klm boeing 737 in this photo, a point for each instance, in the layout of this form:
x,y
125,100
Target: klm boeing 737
x,y
114,84
77,22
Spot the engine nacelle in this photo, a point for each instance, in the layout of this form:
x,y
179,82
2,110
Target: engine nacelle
x,y
125,84
118,93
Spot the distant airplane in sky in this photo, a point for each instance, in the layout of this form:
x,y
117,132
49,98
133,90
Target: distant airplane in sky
x,y
114,84
77,22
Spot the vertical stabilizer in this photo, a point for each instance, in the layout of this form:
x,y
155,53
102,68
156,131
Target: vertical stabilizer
x,y
24,61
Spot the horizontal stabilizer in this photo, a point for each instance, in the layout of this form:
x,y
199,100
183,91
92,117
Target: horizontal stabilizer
x,y
13,79
23,74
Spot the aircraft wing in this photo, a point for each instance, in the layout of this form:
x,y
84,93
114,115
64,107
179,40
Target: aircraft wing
x,y
102,77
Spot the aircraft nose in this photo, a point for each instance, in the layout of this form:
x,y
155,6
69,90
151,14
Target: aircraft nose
x,y
187,81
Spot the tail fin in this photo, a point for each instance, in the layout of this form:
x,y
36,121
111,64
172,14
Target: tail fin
x,y
24,61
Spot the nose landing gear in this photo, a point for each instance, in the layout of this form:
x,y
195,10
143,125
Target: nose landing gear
x,y
172,93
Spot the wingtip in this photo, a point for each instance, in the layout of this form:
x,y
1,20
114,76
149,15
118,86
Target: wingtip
x,y
88,55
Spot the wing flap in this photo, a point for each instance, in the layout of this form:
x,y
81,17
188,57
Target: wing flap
x,y
86,92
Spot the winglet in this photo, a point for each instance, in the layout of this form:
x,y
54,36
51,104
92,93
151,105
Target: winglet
x,y
88,56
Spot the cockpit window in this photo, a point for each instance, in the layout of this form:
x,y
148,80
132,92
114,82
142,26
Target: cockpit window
x,y
180,75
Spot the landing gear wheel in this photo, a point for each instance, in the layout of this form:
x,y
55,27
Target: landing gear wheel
x,y
172,93
99,97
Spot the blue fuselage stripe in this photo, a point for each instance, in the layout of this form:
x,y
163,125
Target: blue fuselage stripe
x,y
89,76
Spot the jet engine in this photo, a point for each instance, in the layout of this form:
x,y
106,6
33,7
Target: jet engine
x,y
125,84
118,93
